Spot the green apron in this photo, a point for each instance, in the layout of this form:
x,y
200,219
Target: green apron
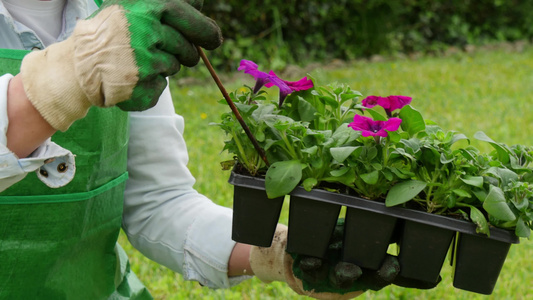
x,y
62,243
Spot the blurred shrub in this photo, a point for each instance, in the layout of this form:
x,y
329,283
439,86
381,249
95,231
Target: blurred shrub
x,y
277,32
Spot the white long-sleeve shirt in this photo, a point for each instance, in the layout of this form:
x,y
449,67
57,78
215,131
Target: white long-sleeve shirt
x,y
164,217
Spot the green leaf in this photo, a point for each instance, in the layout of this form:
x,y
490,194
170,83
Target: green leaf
x,y
496,205
503,154
521,204
309,183
346,97
311,150
371,153
282,177
457,137
476,181
403,174
245,109
451,201
505,175
467,154
345,135
394,136
387,174
259,135
341,153
479,219
412,144
412,120
329,101
370,178
317,162
404,191
306,110
339,172
461,193
377,166
522,230
445,160
402,152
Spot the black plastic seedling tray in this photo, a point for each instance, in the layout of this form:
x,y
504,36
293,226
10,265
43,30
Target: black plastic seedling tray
x,y
423,239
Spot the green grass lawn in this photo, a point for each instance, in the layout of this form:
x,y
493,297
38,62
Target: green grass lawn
x,y
489,91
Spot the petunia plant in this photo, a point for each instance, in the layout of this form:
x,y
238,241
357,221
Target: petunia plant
x,y
377,147
271,79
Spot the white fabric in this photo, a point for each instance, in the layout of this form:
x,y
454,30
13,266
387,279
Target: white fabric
x,y
43,17
164,217
15,35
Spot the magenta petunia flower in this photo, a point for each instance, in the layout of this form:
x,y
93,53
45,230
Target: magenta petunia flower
x,y
249,67
372,101
369,127
287,87
271,79
396,102
390,103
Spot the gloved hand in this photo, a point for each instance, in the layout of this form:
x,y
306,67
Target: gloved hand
x,y
275,264
120,55
328,278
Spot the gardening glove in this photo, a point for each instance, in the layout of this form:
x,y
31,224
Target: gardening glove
x,y
275,264
118,56
328,278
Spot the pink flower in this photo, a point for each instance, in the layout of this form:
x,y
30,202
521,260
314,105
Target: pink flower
x,y
249,67
287,87
390,103
369,127
396,102
372,101
271,79
300,85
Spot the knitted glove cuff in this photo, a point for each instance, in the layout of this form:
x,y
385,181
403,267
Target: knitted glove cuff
x,y
95,66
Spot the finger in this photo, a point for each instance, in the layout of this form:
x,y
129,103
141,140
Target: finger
x,y
155,63
145,94
344,274
198,4
174,43
384,276
389,268
314,270
195,27
309,263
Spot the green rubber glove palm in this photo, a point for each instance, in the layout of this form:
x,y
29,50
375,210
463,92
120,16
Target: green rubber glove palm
x,y
121,55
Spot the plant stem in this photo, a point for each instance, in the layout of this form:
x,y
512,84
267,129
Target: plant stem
x,y
241,150
430,203
386,152
232,105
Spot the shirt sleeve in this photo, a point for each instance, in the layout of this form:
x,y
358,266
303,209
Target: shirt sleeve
x,y
54,165
164,217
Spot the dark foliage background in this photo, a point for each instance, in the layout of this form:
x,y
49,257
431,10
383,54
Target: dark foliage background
x,y
279,32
